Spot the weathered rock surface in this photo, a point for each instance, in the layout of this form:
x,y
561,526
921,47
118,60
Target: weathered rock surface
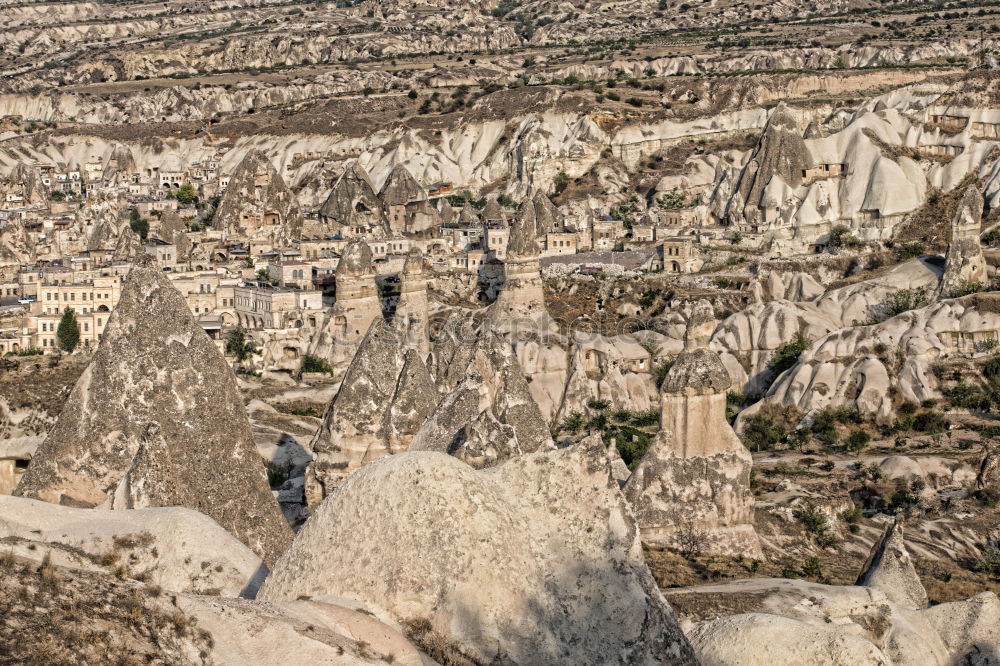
x,y
890,569
356,307
385,397
158,408
257,203
863,364
694,481
177,548
490,416
442,542
91,617
965,264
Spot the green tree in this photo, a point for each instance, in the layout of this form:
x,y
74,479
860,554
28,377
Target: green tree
x,y
187,194
240,345
788,355
138,224
68,332
560,180
57,195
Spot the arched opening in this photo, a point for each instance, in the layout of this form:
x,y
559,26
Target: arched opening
x,y
103,308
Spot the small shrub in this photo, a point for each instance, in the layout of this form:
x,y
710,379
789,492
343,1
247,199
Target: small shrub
x,y
811,567
312,363
858,440
597,404
761,433
989,561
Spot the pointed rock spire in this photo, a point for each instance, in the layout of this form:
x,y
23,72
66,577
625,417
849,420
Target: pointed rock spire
x,y
384,398
257,204
401,188
780,153
965,263
158,404
489,417
353,202
890,569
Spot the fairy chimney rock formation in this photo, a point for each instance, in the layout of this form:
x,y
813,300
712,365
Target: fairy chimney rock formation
x,y
781,154
356,307
159,408
693,484
411,313
522,296
490,416
965,264
353,208
890,570
257,203
385,397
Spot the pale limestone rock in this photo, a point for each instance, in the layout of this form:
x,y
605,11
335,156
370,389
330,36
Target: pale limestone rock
x,y
179,549
490,416
436,533
695,477
383,400
159,405
890,569
965,264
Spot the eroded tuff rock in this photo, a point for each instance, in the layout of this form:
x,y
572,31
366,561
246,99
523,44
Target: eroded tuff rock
x,y
965,264
257,203
890,569
177,548
521,301
384,398
549,570
158,407
794,621
93,618
411,315
353,204
490,416
862,364
694,481
356,307
780,154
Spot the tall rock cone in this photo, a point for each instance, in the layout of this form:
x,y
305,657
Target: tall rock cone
x,y
890,569
159,408
489,417
965,264
780,153
694,481
382,402
258,205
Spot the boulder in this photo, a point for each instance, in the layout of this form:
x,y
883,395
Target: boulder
x,y
534,561
176,548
